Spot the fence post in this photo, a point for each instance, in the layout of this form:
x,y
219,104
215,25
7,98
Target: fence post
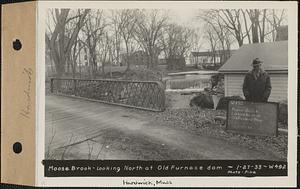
x,y
162,97
163,100
51,85
75,87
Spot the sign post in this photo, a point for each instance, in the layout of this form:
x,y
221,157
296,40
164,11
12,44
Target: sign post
x,y
254,118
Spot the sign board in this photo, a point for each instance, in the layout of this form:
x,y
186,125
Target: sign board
x,y
254,118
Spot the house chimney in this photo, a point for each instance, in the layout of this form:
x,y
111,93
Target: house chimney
x,y
282,33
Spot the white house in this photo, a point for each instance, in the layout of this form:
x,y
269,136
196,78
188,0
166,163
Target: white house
x,y
275,62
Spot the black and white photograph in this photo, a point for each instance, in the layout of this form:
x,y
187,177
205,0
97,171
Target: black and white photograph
x,y
162,84
154,84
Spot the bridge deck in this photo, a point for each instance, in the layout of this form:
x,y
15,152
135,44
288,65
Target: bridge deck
x,y
81,129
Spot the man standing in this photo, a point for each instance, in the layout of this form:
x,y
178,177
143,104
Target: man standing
x,y
257,84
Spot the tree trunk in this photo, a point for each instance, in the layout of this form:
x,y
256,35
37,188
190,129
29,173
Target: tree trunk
x,y
254,18
262,29
239,39
102,68
60,47
60,69
246,26
94,62
127,56
148,61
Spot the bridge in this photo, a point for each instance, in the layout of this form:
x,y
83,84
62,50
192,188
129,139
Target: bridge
x,y
86,128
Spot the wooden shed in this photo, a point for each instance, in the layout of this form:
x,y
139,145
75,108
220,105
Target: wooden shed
x,y
275,62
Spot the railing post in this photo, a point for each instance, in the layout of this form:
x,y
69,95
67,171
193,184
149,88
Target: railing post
x,y
75,87
163,97
51,85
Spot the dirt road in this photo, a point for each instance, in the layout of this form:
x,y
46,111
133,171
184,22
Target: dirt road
x,y
80,129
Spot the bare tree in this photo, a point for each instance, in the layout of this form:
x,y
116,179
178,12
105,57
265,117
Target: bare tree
x,y
254,24
259,19
276,18
117,39
103,51
213,40
176,40
126,24
232,20
94,30
225,22
196,40
150,24
254,18
258,24
216,28
76,50
60,41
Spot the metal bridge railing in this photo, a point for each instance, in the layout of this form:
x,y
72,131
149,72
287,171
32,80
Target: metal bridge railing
x,y
147,95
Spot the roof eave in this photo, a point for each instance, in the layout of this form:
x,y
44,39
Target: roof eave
x,y
245,71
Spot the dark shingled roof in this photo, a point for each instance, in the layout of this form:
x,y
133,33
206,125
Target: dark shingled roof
x,y
274,56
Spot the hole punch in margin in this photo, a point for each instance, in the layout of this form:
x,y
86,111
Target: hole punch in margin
x,y
17,45
17,147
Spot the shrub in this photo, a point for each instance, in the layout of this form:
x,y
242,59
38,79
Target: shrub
x,y
203,100
216,79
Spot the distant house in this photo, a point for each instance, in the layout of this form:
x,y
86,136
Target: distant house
x,y
206,59
275,61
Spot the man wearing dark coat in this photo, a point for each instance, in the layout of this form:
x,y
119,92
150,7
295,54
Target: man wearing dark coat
x,y
257,83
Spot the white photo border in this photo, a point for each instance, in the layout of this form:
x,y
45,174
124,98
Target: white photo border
x,y
278,181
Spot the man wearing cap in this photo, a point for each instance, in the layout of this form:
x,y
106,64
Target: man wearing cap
x,y
257,84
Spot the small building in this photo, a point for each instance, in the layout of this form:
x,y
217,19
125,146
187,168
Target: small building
x,y
275,62
206,59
